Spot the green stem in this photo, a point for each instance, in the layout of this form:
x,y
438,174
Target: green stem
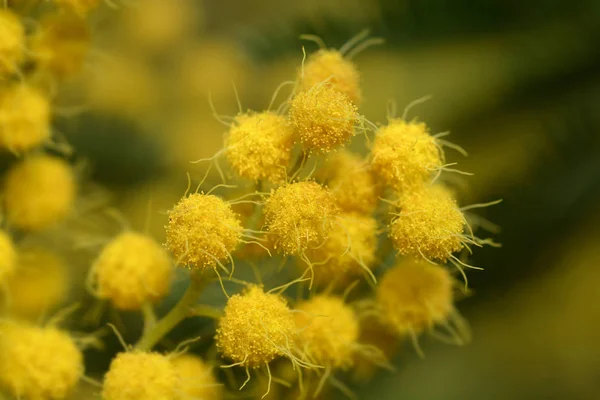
x,y
183,309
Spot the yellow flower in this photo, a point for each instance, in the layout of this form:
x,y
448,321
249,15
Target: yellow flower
x,y
202,231
142,376
38,363
131,270
259,146
256,328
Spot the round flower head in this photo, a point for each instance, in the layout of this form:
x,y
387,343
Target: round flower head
x,y
256,328
352,183
331,67
131,270
39,285
299,216
197,379
323,118
429,224
8,256
142,376
259,146
24,118
80,7
202,230
329,331
405,155
38,192
12,41
38,363
348,252
415,295
60,46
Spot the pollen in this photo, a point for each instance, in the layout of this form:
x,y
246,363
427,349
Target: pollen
x,y
38,192
329,331
429,224
415,295
256,328
405,155
12,41
348,252
39,284
351,182
141,376
323,118
61,44
24,118
331,67
38,363
203,230
259,146
131,270
8,257
197,379
299,216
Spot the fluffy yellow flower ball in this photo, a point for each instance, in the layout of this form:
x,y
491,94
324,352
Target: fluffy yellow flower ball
x,y
328,331
38,363
38,192
323,118
259,146
405,155
8,256
347,252
255,327
429,224
131,270
414,296
351,182
39,284
299,216
61,44
142,376
24,118
331,66
202,230
197,379
12,41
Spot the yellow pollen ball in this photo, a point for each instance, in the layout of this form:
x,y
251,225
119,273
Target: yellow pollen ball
x,y
24,118
202,230
352,183
429,224
38,192
39,284
339,72
12,41
259,146
255,328
323,118
61,44
414,295
299,216
142,376
347,252
405,155
8,257
131,270
38,363
197,379
329,331
79,7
